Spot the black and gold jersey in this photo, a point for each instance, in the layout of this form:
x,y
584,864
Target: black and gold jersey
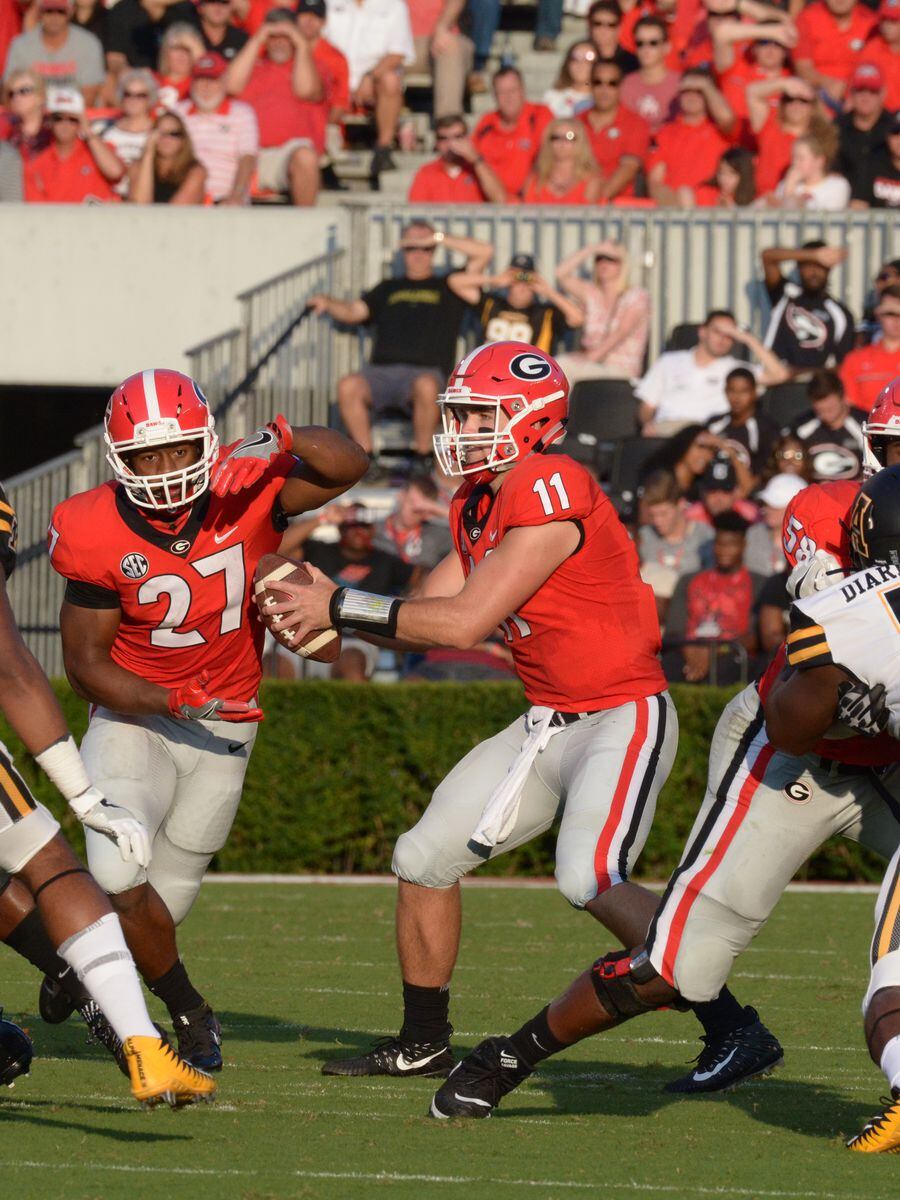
x,y
7,535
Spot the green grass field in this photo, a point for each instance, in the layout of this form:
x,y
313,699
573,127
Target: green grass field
x,y
300,972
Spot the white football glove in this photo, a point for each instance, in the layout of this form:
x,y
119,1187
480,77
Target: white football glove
x,y
813,575
95,812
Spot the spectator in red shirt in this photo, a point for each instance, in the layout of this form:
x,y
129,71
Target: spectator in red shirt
x,y
77,166
883,49
565,171
765,58
619,138
459,174
776,129
181,47
652,90
510,137
24,124
867,370
688,148
275,74
832,36
11,13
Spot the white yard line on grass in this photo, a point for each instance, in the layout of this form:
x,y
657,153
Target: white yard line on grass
x,y
455,1180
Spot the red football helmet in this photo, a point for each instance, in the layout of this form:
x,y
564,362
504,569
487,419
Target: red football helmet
x,y
529,393
882,422
154,408
817,519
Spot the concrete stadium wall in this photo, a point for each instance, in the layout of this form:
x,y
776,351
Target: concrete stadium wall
x,y
91,294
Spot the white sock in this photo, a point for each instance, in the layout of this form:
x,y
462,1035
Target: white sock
x,y
100,958
890,1061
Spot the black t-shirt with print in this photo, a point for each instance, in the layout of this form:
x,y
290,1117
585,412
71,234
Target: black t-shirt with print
x,y
540,324
416,321
378,572
808,329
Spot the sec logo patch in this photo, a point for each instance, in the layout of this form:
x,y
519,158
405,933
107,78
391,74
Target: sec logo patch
x,y
134,566
799,792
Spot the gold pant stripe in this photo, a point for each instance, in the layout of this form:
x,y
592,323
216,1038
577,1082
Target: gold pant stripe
x,y
886,939
12,793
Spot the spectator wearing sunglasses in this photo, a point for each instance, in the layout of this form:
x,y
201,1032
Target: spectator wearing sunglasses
x,y
61,52
77,167
619,138
572,90
789,457
604,27
615,315
459,174
565,171
127,135
779,110
832,36
765,58
24,124
168,171
689,147
863,128
652,90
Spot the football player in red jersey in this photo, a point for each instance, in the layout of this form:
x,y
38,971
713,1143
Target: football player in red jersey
x,y
45,886
765,812
160,635
539,551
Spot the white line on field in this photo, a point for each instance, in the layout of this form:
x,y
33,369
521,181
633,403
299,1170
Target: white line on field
x,y
493,882
465,1180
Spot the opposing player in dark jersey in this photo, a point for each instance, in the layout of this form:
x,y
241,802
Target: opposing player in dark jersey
x,y
76,918
539,551
160,635
764,813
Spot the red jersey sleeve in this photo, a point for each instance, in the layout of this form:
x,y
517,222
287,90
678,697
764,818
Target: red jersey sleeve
x,y
78,533
545,488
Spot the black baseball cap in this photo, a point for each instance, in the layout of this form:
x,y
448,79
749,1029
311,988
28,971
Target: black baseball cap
x,y
719,476
316,7
522,262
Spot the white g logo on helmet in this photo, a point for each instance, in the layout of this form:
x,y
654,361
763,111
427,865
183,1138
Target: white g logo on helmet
x,y
530,367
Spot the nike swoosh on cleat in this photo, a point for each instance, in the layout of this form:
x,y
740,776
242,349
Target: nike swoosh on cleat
x,y
702,1076
436,1112
403,1064
472,1100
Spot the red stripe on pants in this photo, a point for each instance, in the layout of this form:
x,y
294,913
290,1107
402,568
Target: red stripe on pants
x,y
695,886
607,833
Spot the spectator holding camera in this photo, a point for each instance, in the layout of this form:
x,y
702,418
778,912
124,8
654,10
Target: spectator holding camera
x,y
168,171
459,174
519,305
808,327
565,171
416,320
615,315
67,57
224,133
275,74
77,167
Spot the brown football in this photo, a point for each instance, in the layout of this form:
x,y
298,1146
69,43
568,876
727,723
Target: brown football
x,y
323,645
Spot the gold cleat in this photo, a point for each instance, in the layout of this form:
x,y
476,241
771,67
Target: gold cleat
x,y
157,1074
881,1135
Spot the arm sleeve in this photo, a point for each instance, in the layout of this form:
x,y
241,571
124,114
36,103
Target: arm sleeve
x,y
807,644
73,554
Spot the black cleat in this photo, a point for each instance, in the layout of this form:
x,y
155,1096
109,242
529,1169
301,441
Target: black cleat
x,y
476,1085
393,1056
732,1058
101,1032
199,1038
54,1003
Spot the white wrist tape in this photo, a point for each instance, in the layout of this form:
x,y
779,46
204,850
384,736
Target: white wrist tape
x,y
62,763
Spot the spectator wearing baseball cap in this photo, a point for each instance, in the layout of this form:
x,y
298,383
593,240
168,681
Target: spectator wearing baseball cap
x,y
881,186
77,167
459,174
276,75
223,131
883,49
64,54
774,499
832,34
863,128
719,492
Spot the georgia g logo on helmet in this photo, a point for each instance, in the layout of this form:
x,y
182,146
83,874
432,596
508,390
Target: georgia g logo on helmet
x,y
530,367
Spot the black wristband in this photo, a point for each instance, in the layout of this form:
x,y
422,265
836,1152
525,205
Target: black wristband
x,y
366,612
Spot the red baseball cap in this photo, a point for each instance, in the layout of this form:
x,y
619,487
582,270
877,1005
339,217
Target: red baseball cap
x,y
210,66
889,10
867,77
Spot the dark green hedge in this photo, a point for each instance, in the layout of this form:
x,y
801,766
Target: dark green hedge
x,y
339,770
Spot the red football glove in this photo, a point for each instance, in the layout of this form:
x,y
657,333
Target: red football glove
x,y
250,459
192,702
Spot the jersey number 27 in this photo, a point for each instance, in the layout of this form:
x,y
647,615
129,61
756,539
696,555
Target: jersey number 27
x,y
230,564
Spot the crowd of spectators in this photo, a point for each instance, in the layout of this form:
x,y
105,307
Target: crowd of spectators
x,y
711,103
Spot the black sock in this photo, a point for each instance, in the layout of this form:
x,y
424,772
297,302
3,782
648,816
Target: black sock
x,y
176,991
721,1015
534,1042
426,1013
30,939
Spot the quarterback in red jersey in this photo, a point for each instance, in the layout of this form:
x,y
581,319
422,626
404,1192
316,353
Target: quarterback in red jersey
x,y
160,634
540,552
